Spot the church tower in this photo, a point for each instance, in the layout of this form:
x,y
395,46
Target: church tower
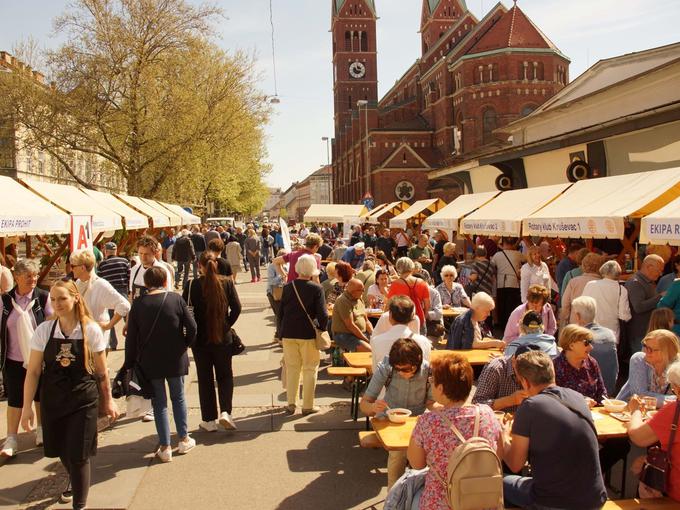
x,y
355,73
436,18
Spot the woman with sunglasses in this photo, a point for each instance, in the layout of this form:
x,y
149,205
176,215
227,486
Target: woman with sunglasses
x,y
647,371
404,376
575,368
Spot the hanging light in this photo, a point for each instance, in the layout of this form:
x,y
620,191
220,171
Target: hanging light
x,y
275,99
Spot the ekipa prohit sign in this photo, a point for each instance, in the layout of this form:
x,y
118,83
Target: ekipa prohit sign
x,y
82,237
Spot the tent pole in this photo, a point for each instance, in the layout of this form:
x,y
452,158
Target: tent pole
x,y
60,251
29,251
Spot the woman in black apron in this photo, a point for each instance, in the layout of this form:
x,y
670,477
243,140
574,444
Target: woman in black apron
x,y
70,353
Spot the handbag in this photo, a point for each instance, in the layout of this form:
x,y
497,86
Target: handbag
x,y
236,346
190,307
657,466
322,339
277,293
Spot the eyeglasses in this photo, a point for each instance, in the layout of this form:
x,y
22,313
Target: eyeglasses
x,y
647,348
447,275
587,342
406,370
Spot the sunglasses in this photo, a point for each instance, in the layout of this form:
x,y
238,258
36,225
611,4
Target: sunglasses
x,y
647,348
447,275
405,370
587,342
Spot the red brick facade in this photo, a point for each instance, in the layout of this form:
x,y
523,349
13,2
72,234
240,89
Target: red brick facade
x,y
473,77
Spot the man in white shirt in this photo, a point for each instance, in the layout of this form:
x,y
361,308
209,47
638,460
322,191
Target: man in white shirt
x,y
401,310
147,247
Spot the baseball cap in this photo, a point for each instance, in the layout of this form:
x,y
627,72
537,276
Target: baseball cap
x,y
110,246
526,348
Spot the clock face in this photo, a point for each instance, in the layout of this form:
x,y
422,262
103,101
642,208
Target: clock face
x,y
357,70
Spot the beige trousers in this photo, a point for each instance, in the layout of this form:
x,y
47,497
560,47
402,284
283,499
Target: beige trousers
x,y
301,357
396,465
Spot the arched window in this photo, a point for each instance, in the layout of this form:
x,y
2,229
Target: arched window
x,y
526,110
489,121
348,41
364,41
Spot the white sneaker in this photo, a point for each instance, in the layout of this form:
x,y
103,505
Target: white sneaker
x,y
186,446
164,455
9,449
226,422
38,436
208,426
148,417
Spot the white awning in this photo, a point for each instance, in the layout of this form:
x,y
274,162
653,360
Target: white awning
x,y
503,215
73,200
175,219
449,216
159,219
133,219
393,208
187,217
597,208
420,210
23,212
662,226
328,213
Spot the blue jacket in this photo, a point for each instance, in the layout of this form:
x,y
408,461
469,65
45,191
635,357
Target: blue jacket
x,y
462,332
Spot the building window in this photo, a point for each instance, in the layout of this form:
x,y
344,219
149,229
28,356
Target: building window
x,y
364,41
489,122
348,41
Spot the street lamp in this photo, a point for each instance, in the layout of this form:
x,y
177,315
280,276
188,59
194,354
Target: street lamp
x,y
328,149
364,103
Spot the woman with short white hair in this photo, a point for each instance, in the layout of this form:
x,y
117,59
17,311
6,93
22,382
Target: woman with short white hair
x,y
303,308
452,293
468,331
98,293
611,297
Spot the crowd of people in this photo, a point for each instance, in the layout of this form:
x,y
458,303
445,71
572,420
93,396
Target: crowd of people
x,y
569,328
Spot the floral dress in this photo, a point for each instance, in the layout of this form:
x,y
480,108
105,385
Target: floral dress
x,y
434,436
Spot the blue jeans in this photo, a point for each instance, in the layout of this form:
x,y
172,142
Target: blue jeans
x,y
195,263
605,354
160,408
347,341
517,492
182,268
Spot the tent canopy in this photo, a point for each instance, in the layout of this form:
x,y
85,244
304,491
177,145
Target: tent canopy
x,y
187,217
159,219
23,212
74,201
393,208
597,208
327,213
503,215
175,219
133,219
448,217
662,226
420,210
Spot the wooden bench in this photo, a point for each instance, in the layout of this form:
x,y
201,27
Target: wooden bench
x,y
369,439
347,372
359,376
637,504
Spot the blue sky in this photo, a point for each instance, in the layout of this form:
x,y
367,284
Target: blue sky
x,y
584,30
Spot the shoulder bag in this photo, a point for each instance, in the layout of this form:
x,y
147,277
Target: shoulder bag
x,y
322,339
514,270
657,466
189,305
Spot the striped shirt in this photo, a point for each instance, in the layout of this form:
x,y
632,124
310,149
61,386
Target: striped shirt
x,y
116,270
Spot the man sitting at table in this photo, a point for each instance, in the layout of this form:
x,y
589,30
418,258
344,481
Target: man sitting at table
x,y
498,386
401,313
469,331
351,327
403,373
531,332
553,429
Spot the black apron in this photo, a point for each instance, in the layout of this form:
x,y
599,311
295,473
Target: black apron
x,y
138,290
69,400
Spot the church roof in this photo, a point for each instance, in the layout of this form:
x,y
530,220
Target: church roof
x,y
339,3
512,30
433,4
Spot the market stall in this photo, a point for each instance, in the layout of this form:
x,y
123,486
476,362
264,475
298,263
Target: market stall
x,y
503,215
158,219
417,213
187,217
334,213
448,218
132,219
662,226
385,212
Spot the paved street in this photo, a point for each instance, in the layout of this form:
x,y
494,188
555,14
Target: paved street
x,y
272,462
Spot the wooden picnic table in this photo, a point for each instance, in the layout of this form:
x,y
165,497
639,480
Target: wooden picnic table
x,y
474,357
375,314
641,504
396,436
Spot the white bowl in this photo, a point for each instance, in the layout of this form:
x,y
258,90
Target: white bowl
x,y
398,414
614,406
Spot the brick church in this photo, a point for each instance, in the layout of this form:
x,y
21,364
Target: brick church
x,y
473,77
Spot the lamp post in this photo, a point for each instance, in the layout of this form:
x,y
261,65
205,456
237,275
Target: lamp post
x,y
328,149
364,103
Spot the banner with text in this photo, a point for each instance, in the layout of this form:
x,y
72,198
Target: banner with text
x,y
599,228
660,231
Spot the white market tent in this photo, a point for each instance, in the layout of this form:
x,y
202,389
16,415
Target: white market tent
x,y
598,208
133,219
23,212
662,226
503,215
175,219
393,208
159,219
448,217
187,217
329,213
74,201
420,210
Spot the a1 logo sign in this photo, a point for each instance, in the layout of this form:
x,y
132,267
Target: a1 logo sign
x,y
81,233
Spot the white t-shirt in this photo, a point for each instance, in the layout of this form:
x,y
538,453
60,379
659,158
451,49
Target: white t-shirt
x,y
508,266
381,344
95,338
137,275
384,324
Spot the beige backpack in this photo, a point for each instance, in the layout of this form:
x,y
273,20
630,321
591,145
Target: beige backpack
x,y
474,474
